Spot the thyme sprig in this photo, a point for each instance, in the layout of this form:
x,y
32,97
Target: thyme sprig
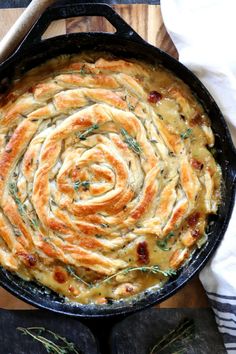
x,y
131,142
13,191
21,207
87,132
60,346
72,272
186,134
131,106
176,340
34,223
83,71
78,184
162,244
145,269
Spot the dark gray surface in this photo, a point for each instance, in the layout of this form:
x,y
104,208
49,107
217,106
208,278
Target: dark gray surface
x,y
136,334
139,333
13,342
23,3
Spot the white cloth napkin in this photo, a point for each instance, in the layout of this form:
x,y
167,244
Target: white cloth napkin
x,y
204,33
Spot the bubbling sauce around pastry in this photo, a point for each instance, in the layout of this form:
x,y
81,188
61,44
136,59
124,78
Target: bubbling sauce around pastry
x,y
106,176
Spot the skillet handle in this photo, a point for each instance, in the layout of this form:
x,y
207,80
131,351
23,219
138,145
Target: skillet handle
x,y
66,11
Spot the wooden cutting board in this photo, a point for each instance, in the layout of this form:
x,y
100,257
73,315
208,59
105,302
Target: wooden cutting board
x,y
147,21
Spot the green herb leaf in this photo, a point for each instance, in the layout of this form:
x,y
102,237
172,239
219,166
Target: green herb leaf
x,y
176,341
202,240
86,133
34,223
60,346
104,226
130,106
162,244
17,232
131,142
186,134
72,272
21,207
12,188
213,151
84,184
83,71
13,191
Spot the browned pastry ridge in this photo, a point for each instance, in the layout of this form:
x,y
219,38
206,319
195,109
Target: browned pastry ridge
x,y
105,167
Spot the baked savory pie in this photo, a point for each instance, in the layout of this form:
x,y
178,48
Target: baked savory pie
x,y
106,176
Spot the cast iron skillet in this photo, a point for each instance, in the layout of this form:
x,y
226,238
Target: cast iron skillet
x,y
124,43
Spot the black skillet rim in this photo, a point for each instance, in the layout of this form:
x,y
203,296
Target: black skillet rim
x,y
53,303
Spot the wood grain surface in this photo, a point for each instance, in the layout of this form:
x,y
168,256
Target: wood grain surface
x,y
147,21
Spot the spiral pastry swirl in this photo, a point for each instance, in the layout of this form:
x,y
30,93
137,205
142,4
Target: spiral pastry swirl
x,y
106,176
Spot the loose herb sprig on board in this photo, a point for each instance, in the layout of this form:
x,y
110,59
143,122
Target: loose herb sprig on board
x,y
175,341
162,244
87,132
59,344
131,142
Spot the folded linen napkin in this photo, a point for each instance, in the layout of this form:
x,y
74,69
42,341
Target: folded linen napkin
x,y
203,32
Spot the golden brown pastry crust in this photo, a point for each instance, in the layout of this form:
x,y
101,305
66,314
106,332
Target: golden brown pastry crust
x,y
104,166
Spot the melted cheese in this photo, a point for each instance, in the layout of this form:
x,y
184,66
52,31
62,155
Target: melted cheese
x,y
96,176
